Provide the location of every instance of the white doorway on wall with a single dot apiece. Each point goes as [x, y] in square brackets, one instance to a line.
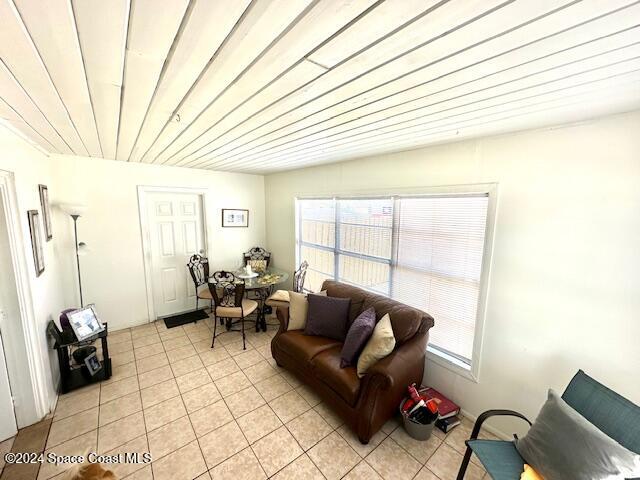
[23, 396]
[173, 228]
[8, 300]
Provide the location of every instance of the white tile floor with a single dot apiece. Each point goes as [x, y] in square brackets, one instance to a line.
[230, 413]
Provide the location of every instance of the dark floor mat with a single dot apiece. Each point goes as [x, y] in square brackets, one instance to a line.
[183, 318]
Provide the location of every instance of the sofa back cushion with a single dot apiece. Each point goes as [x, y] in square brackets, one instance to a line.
[342, 290]
[406, 321]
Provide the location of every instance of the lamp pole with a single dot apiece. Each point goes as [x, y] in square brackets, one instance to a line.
[75, 231]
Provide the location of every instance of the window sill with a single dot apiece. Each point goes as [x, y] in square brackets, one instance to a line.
[452, 364]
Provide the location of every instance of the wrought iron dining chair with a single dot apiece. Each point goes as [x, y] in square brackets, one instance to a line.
[258, 258]
[610, 412]
[230, 303]
[199, 269]
[277, 299]
[299, 276]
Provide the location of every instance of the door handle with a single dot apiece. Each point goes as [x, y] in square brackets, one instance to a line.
[202, 251]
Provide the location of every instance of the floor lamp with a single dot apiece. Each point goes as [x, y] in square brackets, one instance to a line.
[75, 212]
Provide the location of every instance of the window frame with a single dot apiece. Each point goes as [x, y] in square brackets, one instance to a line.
[451, 362]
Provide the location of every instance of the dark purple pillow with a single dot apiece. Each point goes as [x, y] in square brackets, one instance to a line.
[357, 337]
[327, 316]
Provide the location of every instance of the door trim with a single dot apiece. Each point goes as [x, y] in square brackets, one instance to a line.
[145, 232]
[37, 406]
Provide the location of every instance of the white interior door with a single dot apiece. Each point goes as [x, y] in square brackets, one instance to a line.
[176, 226]
[8, 426]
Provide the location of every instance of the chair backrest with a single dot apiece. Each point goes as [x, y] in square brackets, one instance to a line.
[199, 269]
[257, 253]
[299, 276]
[612, 413]
[226, 290]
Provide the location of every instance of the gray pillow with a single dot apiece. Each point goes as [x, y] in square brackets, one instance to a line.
[327, 317]
[563, 445]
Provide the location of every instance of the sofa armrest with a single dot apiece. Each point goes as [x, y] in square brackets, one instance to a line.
[398, 369]
[283, 317]
[385, 384]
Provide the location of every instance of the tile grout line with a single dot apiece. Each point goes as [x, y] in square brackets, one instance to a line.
[204, 459]
[253, 385]
[234, 419]
[232, 416]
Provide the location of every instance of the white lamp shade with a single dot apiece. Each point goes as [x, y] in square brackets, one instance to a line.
[73, 208]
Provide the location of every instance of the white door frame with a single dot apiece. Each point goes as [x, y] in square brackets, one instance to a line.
[145, 232]
[33, 405]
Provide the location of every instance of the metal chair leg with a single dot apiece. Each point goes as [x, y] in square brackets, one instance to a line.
[244, 345]
[215, 324]
[464, 464]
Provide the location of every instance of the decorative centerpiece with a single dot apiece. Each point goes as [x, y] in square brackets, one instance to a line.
[269, 278]
[247, 272]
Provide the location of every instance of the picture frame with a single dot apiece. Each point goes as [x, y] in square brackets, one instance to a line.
[85, 323]
[46, 211]
[92, 363]
[235, 217]
[36, 241]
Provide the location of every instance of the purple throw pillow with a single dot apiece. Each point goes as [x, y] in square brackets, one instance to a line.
[327, 317]
[357, 337]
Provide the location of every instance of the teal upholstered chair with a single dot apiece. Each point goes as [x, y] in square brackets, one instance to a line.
[613, 414]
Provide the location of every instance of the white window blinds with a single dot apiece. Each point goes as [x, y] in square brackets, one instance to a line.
[438, 265]
[425, 251]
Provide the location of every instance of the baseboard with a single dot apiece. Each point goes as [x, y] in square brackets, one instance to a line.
[486, 427]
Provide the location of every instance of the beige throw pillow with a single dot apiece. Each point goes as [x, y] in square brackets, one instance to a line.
[280, 296]
[298, 308]
[381, 344]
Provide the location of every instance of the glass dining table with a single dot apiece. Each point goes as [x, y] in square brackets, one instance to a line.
[260, 286]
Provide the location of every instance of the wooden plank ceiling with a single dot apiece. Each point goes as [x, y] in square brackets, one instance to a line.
[267, 85]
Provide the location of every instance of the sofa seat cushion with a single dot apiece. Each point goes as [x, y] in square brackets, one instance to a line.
[343, 381]
[304, 347]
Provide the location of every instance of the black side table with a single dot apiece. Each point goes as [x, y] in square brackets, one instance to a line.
[76, 376]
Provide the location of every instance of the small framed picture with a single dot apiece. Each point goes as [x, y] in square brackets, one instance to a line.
[46, 211]
[235, 217]
[92, 363]
[36, 241]
[85, 323]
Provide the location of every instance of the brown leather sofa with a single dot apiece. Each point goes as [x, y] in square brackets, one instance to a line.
[366, 403]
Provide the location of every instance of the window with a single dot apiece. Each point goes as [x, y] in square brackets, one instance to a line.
[426, 251]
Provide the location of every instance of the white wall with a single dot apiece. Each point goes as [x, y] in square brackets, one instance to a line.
[31, 168]
[565, 284]
[113, 271]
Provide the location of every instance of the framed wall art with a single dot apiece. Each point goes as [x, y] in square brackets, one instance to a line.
[46, 211]
[36, 241]
[235, 217]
